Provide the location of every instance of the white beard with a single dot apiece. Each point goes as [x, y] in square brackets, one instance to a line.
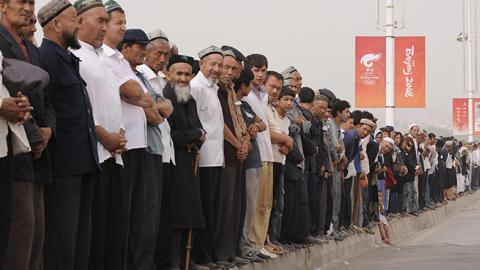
[182, 93]
[214, 81]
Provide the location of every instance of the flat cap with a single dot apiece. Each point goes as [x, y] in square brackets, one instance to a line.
[112, 5]
[178, 58]
[51, 10]
[210, 50]
[286, 73]
[157, 33]
[85, 5]
[135, 36]
[238, 55]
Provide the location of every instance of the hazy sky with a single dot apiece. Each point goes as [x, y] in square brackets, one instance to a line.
[315, 36]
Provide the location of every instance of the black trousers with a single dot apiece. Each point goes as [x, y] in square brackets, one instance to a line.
[163, 246]
[433, 189]
[151, 205]
[422, 186]
[211, 195]
[6, 180]
[346, 203]
[296, 216]
[329, 204]
[314, 203]
[68, 222]
[230, 214]
[106, 217]
[139, 177]
[278, 203]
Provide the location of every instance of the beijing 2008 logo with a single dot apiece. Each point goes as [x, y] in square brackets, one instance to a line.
[369, 76]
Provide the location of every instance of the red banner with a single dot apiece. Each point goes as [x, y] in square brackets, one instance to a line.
[410, 72]
[460, 116]
[370, 72]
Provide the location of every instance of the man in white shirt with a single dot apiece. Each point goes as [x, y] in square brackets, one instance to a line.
[156, 58]
[133, 49]
[107, 113]
[278, 124]
[204, 90]
[136, 106]
[258, 100]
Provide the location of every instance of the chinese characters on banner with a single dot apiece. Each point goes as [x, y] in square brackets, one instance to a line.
[460, 116]
[409, 72]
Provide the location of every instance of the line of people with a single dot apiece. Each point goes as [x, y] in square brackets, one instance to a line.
[119, 153]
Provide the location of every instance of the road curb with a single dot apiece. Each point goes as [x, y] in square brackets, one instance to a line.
[400, 228]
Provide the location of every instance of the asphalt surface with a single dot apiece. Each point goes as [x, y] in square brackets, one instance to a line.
[452, 244]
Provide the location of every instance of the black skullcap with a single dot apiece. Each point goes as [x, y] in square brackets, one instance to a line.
[178, 58]
[306, 95]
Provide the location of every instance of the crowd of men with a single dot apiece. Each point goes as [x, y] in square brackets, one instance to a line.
[129, 155]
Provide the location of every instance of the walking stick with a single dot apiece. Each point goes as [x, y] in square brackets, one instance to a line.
[189, 248]
[189, 241]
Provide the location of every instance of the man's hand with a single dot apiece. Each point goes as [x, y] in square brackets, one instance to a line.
[242, 151]
[252, 130]
[46, 133]
[283, 149]
[164, 107]
[115, 142]
[289, 144]
[204, 136]
[300, 120]
[340, 148]
[16, 109]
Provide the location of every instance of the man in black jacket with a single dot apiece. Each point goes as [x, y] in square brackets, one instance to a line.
[31, 169]
[69, 199]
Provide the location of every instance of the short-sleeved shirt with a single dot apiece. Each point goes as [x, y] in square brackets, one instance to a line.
[133, 117]
[158, 82]
[154, 135]
[103, 93]
[210, 113]
[253, 159]
[279, 124]
[258, 100]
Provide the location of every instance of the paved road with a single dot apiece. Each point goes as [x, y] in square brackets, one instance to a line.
[453, 244]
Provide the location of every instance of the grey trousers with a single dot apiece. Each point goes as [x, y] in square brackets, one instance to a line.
[336, 197]
[247, 241]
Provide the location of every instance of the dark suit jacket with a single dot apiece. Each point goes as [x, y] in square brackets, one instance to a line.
[74, 148]
[25, 168]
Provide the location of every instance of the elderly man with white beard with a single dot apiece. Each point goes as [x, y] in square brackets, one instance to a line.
[188, 136]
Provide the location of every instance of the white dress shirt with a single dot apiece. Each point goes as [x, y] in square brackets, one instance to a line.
[103, 93]
[259, 105]
[278, 124]
[158, 82]
[133, 117]
[210, 114]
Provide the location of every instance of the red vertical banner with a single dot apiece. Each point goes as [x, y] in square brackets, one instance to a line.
[460, 116]
[410, 72]
[476, 116]
[369, 72]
